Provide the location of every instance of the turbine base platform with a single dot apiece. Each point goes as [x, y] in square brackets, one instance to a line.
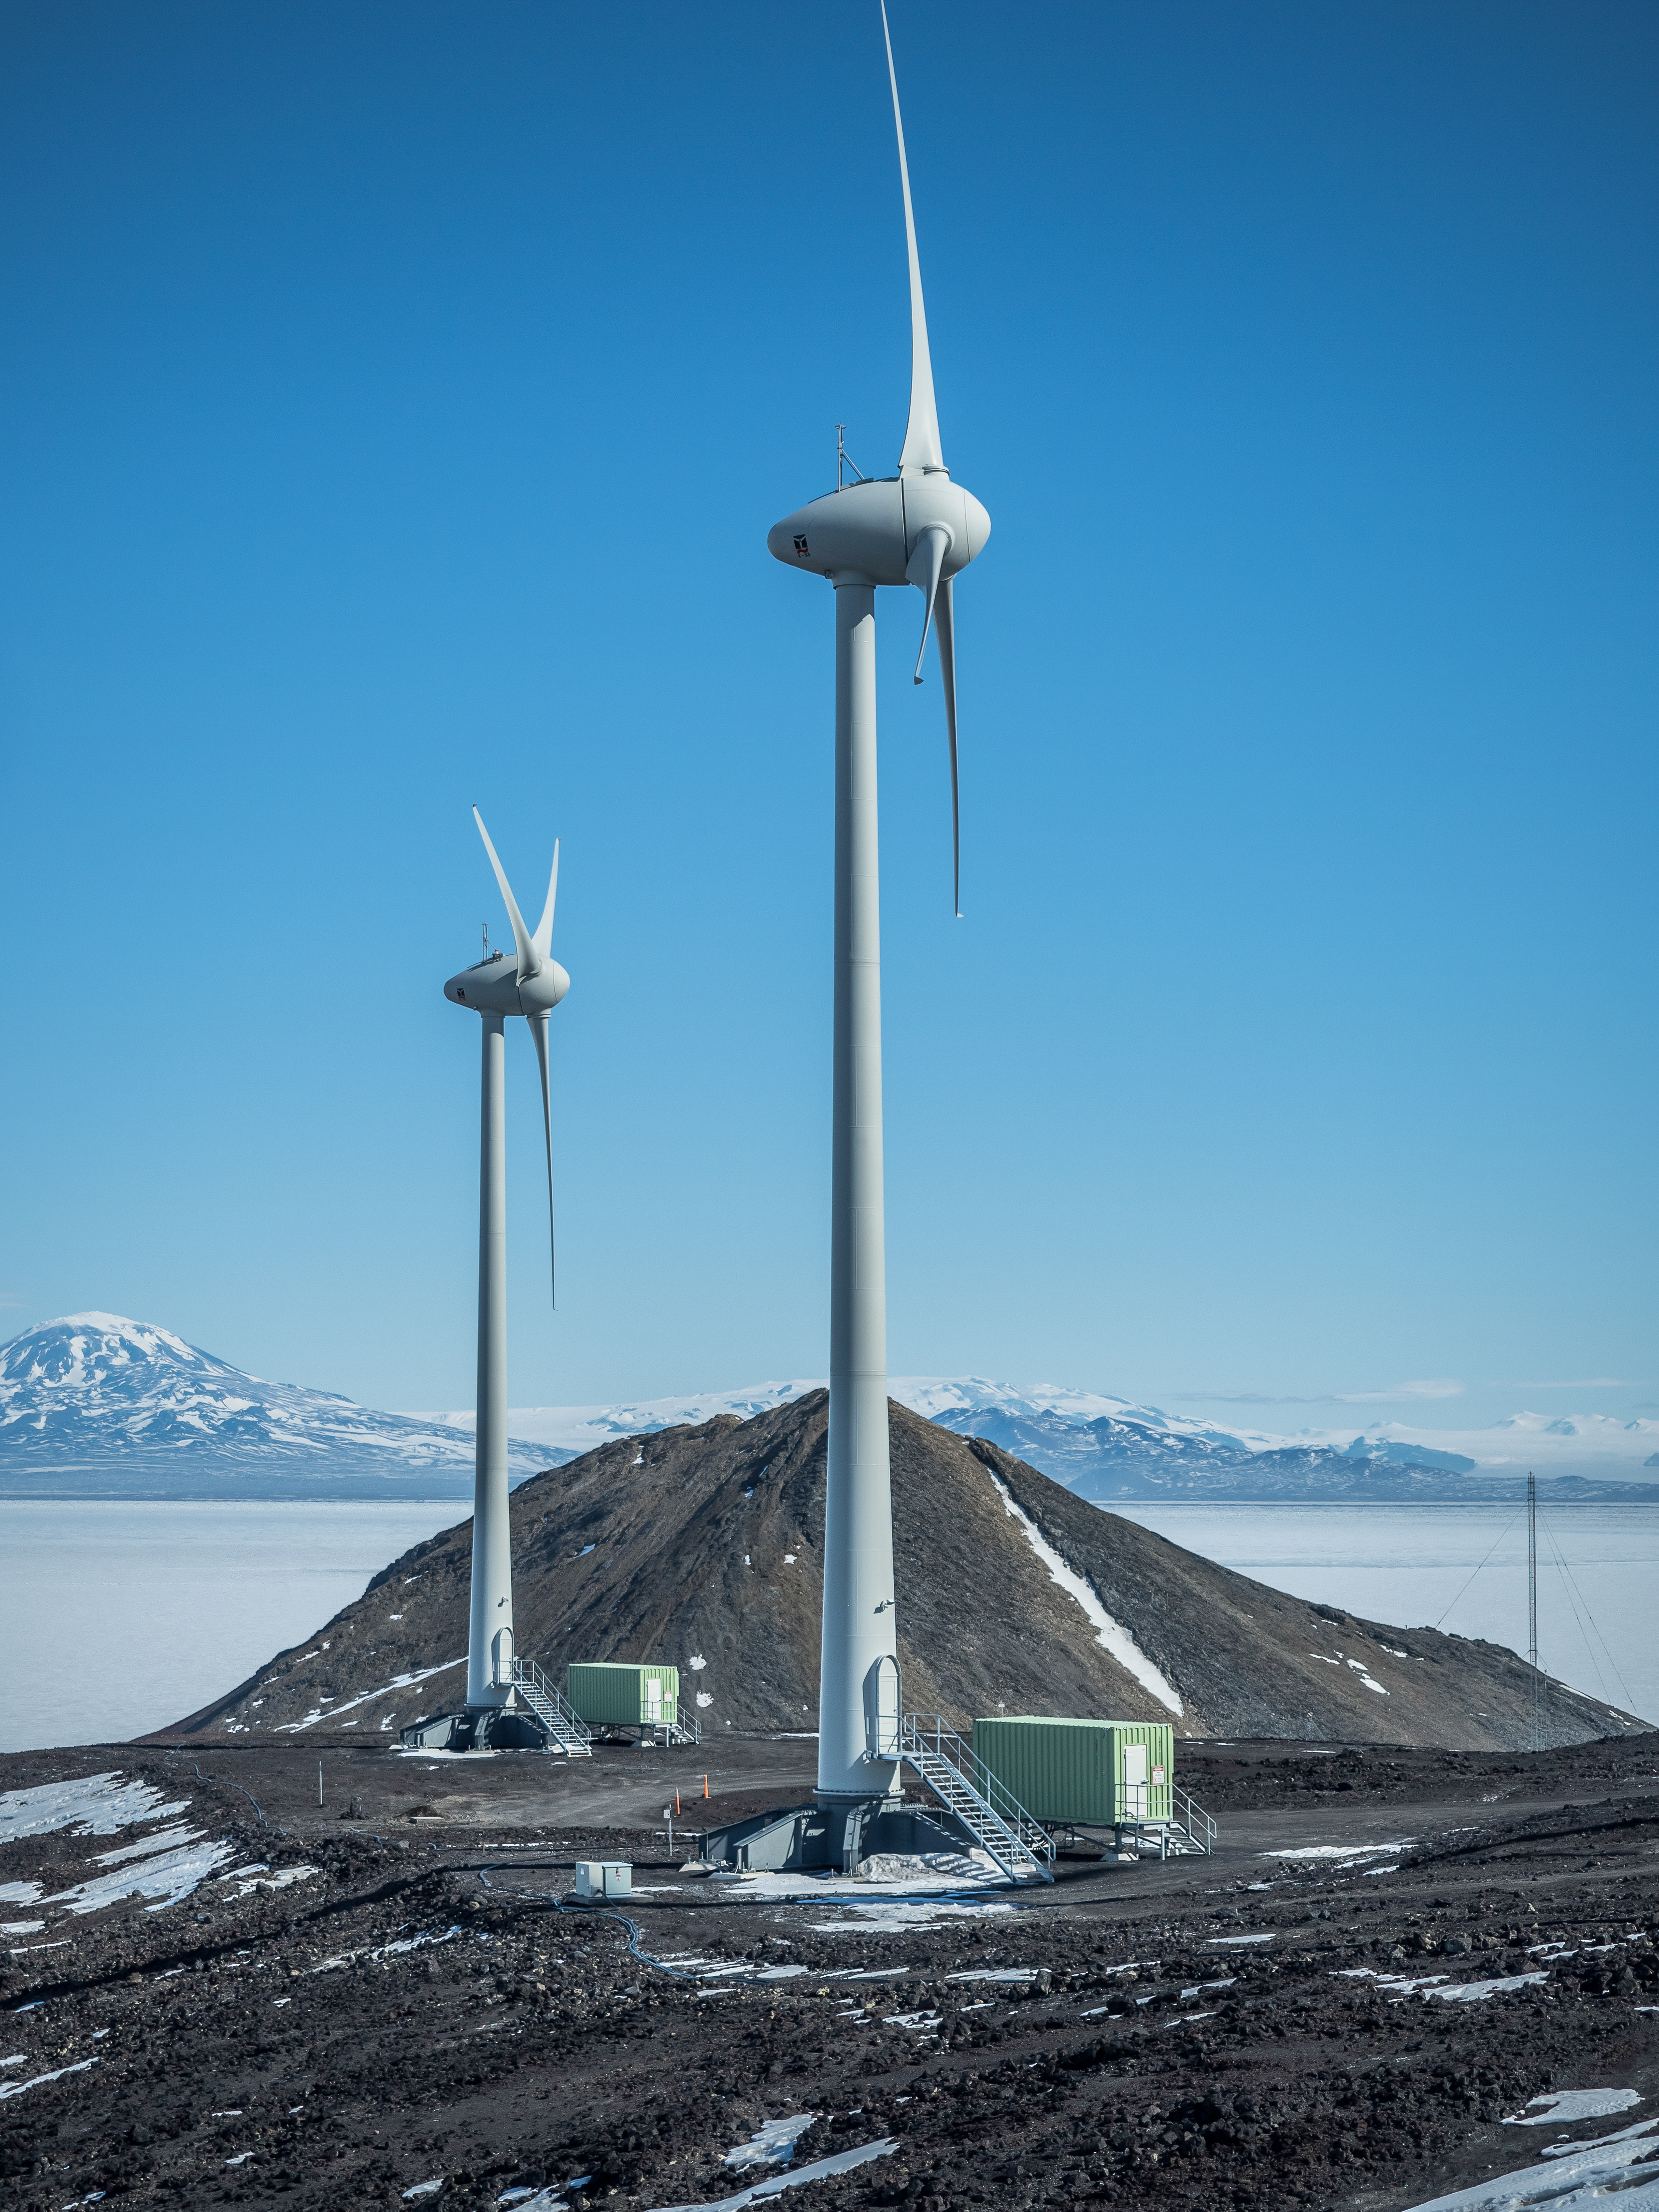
[798, 1839]
[477, 1728]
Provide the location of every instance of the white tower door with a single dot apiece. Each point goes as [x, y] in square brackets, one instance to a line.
[881, 1709]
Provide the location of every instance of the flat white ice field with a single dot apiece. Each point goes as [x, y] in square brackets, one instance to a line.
[173, 1603]
[1404, 1565]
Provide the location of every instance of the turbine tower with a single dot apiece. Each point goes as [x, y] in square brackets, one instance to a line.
[496, 1714]
[917, 528]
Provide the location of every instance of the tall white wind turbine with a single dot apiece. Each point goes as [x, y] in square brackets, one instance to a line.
[918, 528]
[531, 985]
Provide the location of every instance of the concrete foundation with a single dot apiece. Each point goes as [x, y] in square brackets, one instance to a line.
[798, 1839]
[477, 1728]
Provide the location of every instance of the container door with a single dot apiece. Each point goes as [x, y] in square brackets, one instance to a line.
[651, 1689]
[881, 1712]
[1134, 1781]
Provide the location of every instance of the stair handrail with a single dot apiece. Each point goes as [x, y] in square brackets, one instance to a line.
[566, 1722]
[986, 1784]
[997, 1800]
[1192, 1818]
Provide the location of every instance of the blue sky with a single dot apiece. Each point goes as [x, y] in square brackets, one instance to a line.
[399, 398]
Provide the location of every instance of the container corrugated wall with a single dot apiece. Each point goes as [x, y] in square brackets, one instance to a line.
[607, 1693]
[1098, 1773]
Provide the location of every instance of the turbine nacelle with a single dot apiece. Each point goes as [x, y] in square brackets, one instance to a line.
[493, 987]
[875, 530]
[531, 984]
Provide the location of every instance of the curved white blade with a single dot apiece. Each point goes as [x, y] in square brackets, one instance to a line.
[921, 446]
[945, 622]
[530, 960]
[538, 1031]
[543, 940]
[924, 569]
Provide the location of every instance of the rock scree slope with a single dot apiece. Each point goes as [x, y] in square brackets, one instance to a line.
[702, 1546]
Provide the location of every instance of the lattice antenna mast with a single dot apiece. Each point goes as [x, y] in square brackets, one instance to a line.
[1532, 1597]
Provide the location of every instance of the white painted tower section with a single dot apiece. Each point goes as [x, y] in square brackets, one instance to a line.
[488, 1654]
[859, 1622]
[916, 528]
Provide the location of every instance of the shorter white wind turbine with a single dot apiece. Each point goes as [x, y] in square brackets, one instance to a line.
[531, 986]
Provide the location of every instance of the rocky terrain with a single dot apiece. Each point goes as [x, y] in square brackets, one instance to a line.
[701, 1545]
[393, 1997]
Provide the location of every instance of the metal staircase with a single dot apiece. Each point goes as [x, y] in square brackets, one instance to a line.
[565, 1730]
[689, 1730]
[993, 1815]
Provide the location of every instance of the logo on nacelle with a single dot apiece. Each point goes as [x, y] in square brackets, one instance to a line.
[802, 547]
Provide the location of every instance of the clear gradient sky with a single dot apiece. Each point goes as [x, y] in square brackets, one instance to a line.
[397, 398]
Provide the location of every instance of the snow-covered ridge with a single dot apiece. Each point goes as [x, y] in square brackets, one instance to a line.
[957, 1400]
[1025, 1416]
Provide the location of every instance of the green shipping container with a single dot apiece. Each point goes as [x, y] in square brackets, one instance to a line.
[607, 1694]
[1100, 1773]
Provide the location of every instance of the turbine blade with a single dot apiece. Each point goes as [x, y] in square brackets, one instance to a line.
[538, 1031]
[543, 940]
[921, 446]
[944, 623]
[924, 568]
[529, 958]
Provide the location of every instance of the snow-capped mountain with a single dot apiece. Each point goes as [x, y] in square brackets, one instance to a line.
[95, 1403]
[1110, 1449]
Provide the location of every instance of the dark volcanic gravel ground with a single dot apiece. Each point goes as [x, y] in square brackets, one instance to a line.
[418, 2008]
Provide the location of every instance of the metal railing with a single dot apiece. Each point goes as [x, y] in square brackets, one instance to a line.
[567, 1732]
[682, 1728]
[965, 1786]
[1186, 1827]
[1199, 1828]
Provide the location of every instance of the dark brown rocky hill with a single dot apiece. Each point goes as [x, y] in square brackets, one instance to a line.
[703, 1546]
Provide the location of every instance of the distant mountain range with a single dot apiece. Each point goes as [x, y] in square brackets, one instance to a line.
[95, 1405]
[1112, 1451]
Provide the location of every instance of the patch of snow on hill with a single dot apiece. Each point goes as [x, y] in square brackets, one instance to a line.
[1111, 1635]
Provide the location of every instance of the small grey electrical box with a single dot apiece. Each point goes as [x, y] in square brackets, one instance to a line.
[604, 1878]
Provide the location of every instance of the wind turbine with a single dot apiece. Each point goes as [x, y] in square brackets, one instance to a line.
[531, 986]
[918, 528]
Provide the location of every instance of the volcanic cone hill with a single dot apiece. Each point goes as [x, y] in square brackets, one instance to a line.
[704, 1547]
